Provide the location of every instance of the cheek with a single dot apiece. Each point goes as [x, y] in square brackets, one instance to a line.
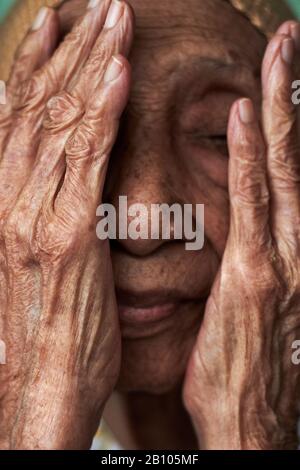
[215, 200]
[204, 187]
[208, 162]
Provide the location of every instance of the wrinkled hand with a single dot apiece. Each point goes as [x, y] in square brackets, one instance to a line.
[242, 389]
[58, 314]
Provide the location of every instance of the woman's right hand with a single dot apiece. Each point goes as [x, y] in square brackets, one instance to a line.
[58, 314]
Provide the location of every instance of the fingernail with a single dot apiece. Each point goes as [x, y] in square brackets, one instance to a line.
[93, 4]
[295, 33]
[287, 50]
[114, 14]
[114, 69]
[246, 111]
[40, 19]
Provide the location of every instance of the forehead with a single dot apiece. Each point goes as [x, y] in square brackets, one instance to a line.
[212, 28]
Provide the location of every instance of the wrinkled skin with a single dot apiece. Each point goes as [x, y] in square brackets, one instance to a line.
[58, 308]
[59, 314]
[243, 354]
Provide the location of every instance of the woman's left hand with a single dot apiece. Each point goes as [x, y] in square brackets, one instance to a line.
[242, 388]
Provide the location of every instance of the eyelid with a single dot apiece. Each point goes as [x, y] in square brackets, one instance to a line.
[209, 114]
[215, 138]
[218, 136]
[213, 135]
[212, 124]
[214, 142]
[206, 135]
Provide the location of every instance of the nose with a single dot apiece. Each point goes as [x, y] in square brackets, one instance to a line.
[139, 171]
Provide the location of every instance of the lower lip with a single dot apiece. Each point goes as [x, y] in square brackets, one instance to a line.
[156, 313]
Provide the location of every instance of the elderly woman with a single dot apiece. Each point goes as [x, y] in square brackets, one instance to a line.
[176, 349]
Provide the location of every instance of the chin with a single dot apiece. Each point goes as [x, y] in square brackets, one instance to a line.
[154, 360]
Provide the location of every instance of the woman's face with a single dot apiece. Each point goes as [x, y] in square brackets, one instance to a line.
[190, 60]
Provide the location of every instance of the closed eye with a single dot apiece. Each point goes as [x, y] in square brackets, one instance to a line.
[212, 142]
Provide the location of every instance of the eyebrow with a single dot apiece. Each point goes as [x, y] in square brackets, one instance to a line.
[245, 73]
[195, 77]
[214, 63]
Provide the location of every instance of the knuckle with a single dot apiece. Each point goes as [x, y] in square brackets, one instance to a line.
[106, 136]
[287, 176]
[16, 233]
[283, 100]
[94, 138]
[80, 145]
[284, 146]
[251, 190]
[249, 150]
[62, 111]
[76, 37]
[284, 134]
[257, 274]
[100, 55]
[12, 226]
[55, 241]
[87, 143]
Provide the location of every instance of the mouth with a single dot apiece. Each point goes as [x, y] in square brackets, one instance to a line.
[143, 315]
[153, 309]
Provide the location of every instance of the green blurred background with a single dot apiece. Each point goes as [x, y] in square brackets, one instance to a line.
[4, 7]
[6, 4]
[295, 5]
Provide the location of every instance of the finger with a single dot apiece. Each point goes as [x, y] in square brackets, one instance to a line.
[33, 52]
[29, 106]
[73, 193]
[67, 60]
[286, 27]
[66, 63]
[63, 115]
[248, 190]
[89, 148]
[281, 134]
[115, 38]
[37, 46]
